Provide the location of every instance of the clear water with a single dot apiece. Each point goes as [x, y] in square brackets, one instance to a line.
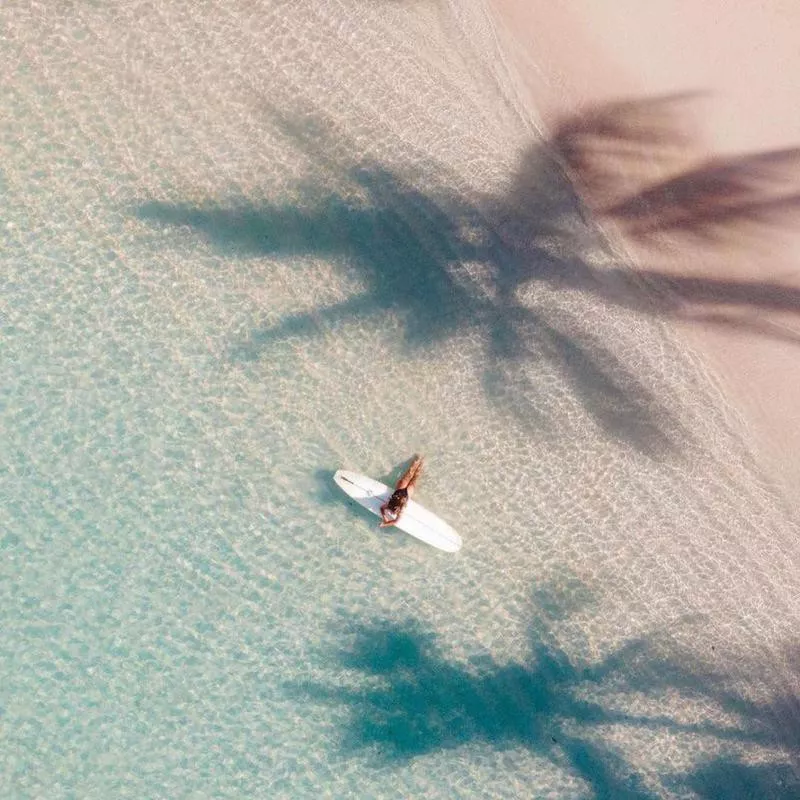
[246, 244]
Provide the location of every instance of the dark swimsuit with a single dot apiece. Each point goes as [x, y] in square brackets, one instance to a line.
[396, 503]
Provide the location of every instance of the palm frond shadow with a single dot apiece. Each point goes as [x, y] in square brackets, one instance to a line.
[407, 699]
[635, 162]
[733, 779]
[447, 263]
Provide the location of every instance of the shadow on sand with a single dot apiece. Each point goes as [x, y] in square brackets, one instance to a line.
[445, 262]
[408, 699]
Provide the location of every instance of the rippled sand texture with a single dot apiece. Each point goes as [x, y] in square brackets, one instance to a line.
[244, 244]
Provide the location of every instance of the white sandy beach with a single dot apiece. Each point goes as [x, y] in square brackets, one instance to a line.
[742, 62]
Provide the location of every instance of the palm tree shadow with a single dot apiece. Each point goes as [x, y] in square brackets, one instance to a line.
[730, 778]
[412, 700]
[636, 167]
[418, 702]
[448, 263]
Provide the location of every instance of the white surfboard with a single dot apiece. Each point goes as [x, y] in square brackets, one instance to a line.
[415, 519]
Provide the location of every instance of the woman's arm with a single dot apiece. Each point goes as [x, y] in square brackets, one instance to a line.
[384, 520]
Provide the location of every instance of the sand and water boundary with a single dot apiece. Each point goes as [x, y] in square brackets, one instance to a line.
[726, 75]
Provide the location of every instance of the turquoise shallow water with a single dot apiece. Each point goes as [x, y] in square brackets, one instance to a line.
[244, 246]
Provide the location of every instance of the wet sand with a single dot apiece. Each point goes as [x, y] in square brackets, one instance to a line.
[736, 68]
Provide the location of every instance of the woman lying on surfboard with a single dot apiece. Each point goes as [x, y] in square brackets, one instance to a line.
[393, 507]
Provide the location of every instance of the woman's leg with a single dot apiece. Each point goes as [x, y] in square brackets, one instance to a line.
[411, 475]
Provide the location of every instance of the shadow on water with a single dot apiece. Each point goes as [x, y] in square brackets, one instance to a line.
[327, 493]
[730, 779]
[407, 699]
[447, 262]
